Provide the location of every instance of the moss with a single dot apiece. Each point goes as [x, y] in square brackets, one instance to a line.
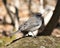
[29, 42]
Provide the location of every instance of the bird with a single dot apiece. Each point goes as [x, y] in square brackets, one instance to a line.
[31, 26]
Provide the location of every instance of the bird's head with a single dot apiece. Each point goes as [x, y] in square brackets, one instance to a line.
[38, 14]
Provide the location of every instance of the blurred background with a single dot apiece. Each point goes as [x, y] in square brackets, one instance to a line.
[23, 8]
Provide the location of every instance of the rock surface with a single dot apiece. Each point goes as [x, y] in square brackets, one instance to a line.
[39, 42]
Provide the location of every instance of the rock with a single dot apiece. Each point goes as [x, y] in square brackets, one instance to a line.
[39, 42]
[56, 32]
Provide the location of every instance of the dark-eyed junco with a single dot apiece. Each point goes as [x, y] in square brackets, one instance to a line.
[32, 25]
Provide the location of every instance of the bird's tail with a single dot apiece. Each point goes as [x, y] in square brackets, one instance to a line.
[11, 34]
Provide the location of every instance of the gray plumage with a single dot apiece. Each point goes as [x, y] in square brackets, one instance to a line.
[32, 24]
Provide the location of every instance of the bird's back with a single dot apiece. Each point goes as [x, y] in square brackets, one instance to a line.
[32, 23]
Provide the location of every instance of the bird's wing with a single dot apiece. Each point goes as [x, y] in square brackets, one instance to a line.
[31, 23]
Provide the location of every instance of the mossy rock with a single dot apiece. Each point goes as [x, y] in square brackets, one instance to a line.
[38, 42]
